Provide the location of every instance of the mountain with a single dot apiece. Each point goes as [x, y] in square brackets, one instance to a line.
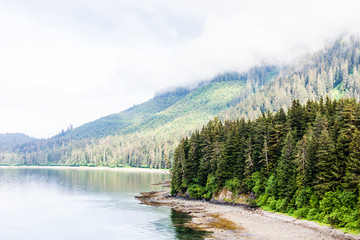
[181, 104]
[147, 134]
[10, 140]
[124, 122]
[333, 72]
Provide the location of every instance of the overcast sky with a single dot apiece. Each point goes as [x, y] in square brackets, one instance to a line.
[68, 62]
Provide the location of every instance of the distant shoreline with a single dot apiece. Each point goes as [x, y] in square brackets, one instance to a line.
[120, 169]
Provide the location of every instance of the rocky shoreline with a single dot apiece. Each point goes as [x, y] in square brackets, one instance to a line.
[241, 222]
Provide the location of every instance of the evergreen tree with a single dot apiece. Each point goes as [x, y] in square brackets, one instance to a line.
[303, 160]
[192, 163]
[296, 118]
[328, 176]
[177, 172]
[205, 162]
[347, 125]
[352, 179]
[286, 174]
[311, 176]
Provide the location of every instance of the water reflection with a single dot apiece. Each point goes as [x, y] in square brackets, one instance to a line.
[182, 232]
[84, 204]
[106, 181]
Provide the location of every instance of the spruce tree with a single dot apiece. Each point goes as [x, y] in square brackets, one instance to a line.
[286, 170]
[205, 162]
[328, 176]
[296, 118]
[352, 178]
[347, 125]
[177, 172]
[192, 163]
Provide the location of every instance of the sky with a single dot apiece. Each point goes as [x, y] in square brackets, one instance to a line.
[68, 62]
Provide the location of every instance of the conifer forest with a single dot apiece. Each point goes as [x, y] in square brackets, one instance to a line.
[304, 161]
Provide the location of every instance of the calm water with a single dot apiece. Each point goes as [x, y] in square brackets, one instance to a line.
[84, 204]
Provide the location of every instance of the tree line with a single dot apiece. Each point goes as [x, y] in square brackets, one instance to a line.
[304, 161]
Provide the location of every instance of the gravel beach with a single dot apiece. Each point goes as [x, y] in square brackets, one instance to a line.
[240, 222]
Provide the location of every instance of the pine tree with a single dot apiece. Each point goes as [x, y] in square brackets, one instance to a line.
[352, 178]
[205, 162]
[221, 168]
[249, 159]
[192, 163]
[328, 176]
[177, 172]
[347, 125]
[231, 152]
[302, 159]
[296, 118]
[286, 174]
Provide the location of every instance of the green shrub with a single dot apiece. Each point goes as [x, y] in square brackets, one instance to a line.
[281, 205]
[254, 183]
[256, 179]
[334, 219]
[196, 191]
[262, 200]
[312, 214]
[329, 202]
[302, 212]
[314, 201]
[303, 197]
[233, 185]
[210, 187]
[347, 199]
[270, 185]
[271, 203]
[354, 224]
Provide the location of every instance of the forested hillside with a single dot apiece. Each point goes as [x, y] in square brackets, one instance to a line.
[10, 140]
[332, 72]
[144, 135]
[304, 161]
[209, 97]
[147, 134]
[125, 122]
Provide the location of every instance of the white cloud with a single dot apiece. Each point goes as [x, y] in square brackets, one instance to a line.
[68, 61]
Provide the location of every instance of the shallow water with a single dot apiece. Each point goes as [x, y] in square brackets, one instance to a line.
[84, 204]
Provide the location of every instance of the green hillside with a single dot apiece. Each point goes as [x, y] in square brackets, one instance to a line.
[332, 72]
[147, 134]
[196, 106]
[144, 135]
[125, 121]
[10, 140]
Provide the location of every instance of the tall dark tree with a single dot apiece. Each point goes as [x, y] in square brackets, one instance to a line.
[328, 177]
[177, 173]
[286, 170]
[192, 162]
[352, 179]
